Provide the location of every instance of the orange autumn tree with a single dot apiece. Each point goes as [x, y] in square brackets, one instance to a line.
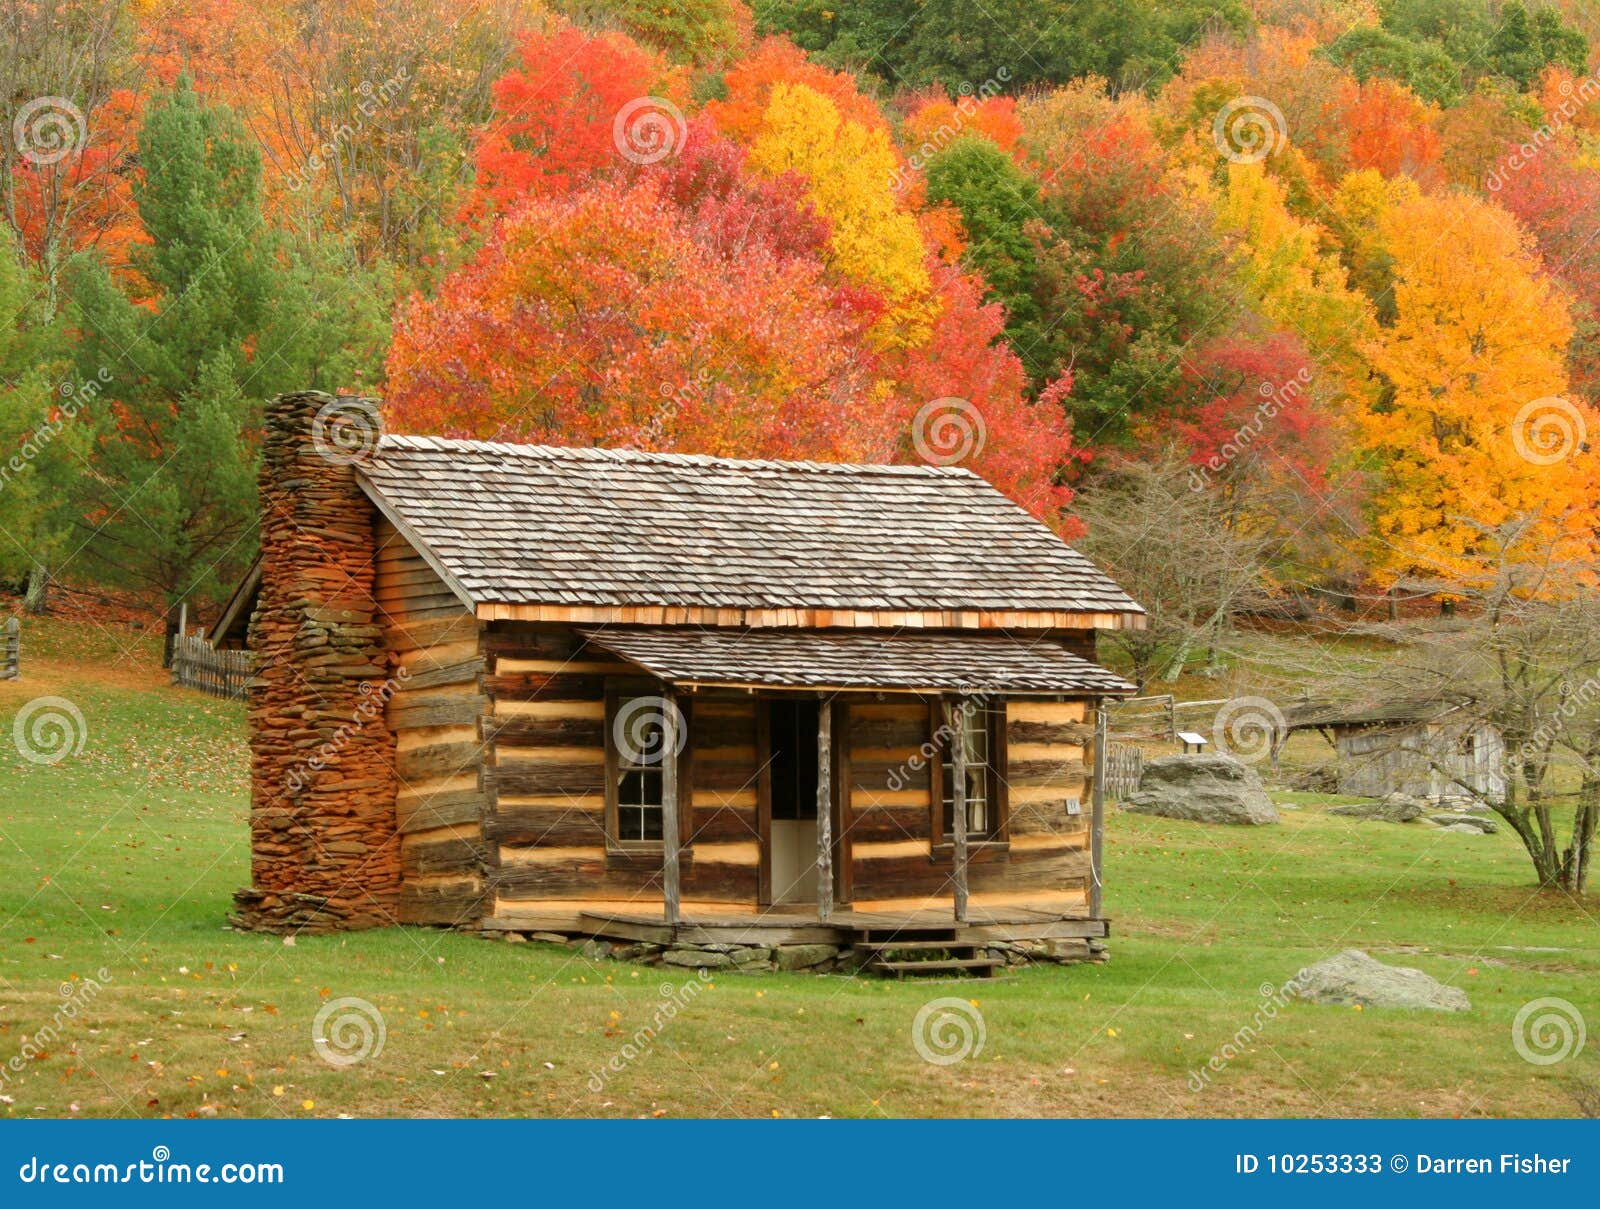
[934, 121]
[567, 110]
[694, 302]
[614, 317]
[1478, 433]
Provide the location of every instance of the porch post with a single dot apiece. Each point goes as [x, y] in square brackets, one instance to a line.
[825, 808]
[671, 719]
[1097, 808]
[955, 717]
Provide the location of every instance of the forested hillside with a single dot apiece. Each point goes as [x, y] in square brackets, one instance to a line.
[1313, 282]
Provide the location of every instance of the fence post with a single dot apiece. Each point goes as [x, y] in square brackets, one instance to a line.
[11, 650]
[1097, 809]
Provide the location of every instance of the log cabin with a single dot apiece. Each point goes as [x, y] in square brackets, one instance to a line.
[667, 699]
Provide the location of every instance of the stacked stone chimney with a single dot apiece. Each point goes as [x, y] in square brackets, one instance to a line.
[325, 853]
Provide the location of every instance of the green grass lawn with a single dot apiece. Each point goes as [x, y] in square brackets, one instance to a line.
[122, 858]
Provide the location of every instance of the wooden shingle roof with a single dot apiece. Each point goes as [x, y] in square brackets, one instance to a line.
[966, 663]
[539, 525]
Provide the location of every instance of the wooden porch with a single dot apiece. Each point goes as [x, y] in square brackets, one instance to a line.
[800, 924]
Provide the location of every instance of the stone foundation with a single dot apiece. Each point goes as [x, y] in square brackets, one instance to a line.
[796, 958]
[325, 853]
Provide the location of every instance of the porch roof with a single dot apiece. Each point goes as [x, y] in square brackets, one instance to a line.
[858, 659]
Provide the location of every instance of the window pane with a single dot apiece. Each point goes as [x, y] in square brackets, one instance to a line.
[974, 740]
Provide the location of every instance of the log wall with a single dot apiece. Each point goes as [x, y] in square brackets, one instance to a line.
[1045, 861]
[436, 712]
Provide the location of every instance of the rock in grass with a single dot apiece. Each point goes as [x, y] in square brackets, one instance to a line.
[1468, 822]
[1209, 788]
[1395, 808]
[1353, 977]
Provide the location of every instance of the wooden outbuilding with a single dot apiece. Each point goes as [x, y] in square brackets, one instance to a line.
[664, 697]
[1434, 748]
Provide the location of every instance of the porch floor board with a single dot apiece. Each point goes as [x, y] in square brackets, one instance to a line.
[800, 924]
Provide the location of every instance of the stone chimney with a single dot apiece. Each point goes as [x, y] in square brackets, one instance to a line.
[324, 849]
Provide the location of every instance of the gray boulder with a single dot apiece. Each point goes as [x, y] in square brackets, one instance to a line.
[1208, 788]
[1395, 808]
[1353, 977]
[1467, 822]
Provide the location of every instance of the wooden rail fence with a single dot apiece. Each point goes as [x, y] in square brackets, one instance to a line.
[11, 650]
[1161, 716]
[197, 664]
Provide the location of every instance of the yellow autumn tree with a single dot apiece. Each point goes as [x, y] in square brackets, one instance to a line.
[1477, 435]
[1292, 278]
[850, 171]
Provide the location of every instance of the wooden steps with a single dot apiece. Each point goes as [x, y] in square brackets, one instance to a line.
[898, 952]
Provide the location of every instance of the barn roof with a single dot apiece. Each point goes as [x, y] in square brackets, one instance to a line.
[1394, 711]
[540, 525]
[968, 663]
